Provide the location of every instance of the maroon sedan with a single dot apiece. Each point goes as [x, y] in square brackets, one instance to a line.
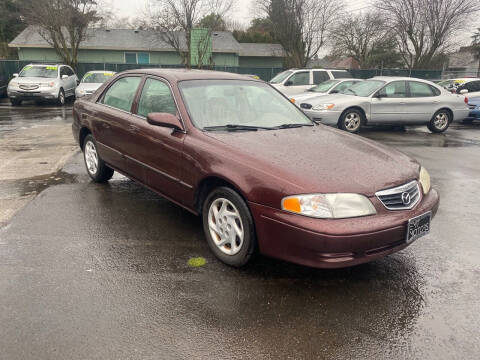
[261, 174]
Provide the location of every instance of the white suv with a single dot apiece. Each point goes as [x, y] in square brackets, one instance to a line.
[42, 82]
[296, 81]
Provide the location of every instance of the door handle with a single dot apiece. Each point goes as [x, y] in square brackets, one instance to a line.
[402, 103]
[105, 125]
[133, 128]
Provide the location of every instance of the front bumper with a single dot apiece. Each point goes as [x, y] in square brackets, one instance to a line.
[324, 117]
[49, 94]
[326, 243]
[474, 114]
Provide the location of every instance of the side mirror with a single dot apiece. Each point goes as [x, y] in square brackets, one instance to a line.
[380, 95]
[15, 75]
[334, 92]
[288, 83]
[463, 91]
[64, 76]
[164, 120]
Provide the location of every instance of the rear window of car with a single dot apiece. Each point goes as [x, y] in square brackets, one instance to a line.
[341, 74]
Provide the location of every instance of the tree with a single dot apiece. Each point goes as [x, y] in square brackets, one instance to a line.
[177, 18]
[260, 31]
[213, 21]
[301, 26]
[423, 29]
[62, 23]
[476, 46]
[11, 24]
[365, 38]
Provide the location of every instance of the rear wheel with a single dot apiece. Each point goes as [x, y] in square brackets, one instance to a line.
[15, 102]
[351, 120]
[96, 167]
[440, 121]
[229, 227]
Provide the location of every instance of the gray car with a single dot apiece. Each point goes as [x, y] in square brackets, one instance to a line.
[333, 86]
[91, 81]
[42, 82]
[388, 100]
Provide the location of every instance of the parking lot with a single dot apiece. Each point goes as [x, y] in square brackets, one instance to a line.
[91, 271]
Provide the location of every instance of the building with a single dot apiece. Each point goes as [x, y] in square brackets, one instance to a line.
[463, 63]
[122, 46]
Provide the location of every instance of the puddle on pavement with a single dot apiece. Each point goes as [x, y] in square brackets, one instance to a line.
[34, 185]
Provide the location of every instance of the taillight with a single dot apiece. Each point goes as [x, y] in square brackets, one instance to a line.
[466, 100]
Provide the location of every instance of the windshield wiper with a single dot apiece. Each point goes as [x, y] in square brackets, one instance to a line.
[234, 127]
[290, 126]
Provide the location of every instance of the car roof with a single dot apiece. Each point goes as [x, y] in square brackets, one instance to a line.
[312, 69]
[401, 78]
[176, 75]
[100, 72]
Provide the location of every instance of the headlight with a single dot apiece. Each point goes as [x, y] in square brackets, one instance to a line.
[323, 107]
[329, 206]
[424, 180]
[49, 84]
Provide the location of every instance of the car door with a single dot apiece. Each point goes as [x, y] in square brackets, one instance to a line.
[388, 104]
[320, 76]
[422, 102]
[111, 121]
[297, 83]
[158, 150]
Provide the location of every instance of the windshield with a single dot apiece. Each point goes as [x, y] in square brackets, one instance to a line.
[324, 86]
[280, 77]
[96, 78]
[39, 71]
[364, 88]
[222, 103]
[341, 74]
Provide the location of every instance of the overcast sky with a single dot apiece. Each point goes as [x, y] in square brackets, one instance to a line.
[243, 12]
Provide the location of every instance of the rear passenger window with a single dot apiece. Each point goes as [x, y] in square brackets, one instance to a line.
[156, 97]
[300, 78]
[418, 89]
[122, 93]
[319, 77]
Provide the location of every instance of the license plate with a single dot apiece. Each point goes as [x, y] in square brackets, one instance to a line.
[418, 227]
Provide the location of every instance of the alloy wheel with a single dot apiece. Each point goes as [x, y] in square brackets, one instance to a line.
[91, 157]
[441, 121]
[352, 121]
[225, 225]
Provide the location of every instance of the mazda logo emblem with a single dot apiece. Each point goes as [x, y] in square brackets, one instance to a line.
[406, 198]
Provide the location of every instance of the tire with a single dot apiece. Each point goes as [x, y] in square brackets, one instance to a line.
[440, 121]
[96, 167]
[222, 227]
[15, 102]
[351, 120]
[61, 98]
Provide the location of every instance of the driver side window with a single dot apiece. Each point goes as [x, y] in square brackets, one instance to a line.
[396, 89]
[156, 97]
[300, 78]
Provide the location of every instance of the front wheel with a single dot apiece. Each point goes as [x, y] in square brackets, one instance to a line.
[351, 120]
[61, 97]
[96, 167]
[440, 121]
[229, 227]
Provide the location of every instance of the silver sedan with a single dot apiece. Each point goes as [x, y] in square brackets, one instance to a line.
[388, 100]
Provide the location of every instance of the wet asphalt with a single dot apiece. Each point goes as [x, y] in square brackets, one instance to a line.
[91, 271]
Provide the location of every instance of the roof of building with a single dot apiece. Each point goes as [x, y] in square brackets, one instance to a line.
[147, 40]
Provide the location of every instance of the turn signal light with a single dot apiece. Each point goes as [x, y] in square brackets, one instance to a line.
[292, 204]
[292, 100]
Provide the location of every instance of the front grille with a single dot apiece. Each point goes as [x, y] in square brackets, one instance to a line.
[402, 197]
[28, 87]
[305, 106]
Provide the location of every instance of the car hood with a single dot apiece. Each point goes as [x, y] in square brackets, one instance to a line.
[88, 86]
[320, 159]
[33, 80]
[336, 99]
[307, 96]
